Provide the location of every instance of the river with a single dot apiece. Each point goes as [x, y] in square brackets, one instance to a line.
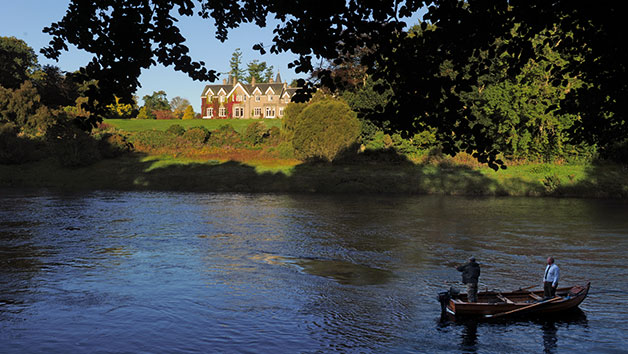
[129, 272]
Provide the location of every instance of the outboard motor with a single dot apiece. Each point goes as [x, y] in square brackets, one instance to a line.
[445, 296]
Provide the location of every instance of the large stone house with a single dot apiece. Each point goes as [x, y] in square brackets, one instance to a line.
[237, 100]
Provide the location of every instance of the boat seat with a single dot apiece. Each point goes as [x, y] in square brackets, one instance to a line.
[535, 296]
[575, 290]
[503, 298]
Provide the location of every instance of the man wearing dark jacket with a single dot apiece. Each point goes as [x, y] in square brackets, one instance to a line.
[470, 276]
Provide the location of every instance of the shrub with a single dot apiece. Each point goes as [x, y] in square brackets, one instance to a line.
[274, 136]
[164, 114]
[144, 113]
[617, 152]
[13, 149]
[100, 126]
[290, 119]
[151, 139]
[552, 183]
[189, 113]
[71, 146]
[225, 135]
[283, 150]
[324, 128]
[176, 129]
[196, 136]
[113, 145]
[255, 133]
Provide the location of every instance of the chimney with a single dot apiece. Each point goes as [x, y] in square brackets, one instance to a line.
[270, 80]
[224, 81]
[285, 85]
[253, 80]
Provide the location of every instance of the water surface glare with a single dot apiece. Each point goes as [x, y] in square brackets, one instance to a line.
[176, 272]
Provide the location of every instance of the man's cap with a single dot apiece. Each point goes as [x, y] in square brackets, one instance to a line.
[472, 259]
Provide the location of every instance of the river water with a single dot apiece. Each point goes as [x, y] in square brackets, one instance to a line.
[175, 272]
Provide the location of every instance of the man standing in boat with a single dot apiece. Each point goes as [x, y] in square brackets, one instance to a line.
[550, 279]
[470, 276]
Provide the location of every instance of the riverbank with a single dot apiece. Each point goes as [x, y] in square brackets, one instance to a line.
[137, 171]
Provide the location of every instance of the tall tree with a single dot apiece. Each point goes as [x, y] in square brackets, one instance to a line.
[57, 88]
[259, 70]
[235, 64]
[17, 62]
[157, 101]
[178, 106]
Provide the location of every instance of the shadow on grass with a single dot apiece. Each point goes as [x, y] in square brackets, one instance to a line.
[603, 180]
[371, 172]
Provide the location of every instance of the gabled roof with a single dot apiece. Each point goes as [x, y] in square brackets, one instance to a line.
[291, 91]
[216, 88]
[249, 90]
[240, 86]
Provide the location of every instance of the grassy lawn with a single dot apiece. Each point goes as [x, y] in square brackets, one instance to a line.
[133, 125]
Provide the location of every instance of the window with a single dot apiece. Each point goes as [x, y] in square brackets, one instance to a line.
[270, 98]
[258, 98]
[270, 112]
[287, 100]
[222, 98]
[238, 112]
[222, 112]
[257, 112]
[281, 111]
[210, 112]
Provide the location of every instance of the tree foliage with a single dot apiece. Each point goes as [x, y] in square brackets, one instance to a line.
[121, 110]
[463, 34]
[178, 106]
[17, 62]
[157, 101]
[324, 128]
[235, 64]
[189, 113]
[261, 71]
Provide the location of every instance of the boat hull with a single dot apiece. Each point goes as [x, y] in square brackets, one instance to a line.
[491, 303]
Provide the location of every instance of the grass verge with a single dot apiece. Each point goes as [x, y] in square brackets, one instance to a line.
[139, 171]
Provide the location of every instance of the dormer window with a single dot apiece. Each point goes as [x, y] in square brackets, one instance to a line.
[258, 98]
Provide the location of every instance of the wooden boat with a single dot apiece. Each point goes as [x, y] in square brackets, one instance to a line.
[515, 303]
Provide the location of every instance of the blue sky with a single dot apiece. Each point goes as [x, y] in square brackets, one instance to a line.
[25, 19]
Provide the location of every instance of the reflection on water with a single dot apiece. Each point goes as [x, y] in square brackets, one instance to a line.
[549, 337]
[177, 272]
[469, 336]
[341, 271]
[548, 326]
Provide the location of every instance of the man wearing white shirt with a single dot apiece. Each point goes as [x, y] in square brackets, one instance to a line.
[550, 279]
